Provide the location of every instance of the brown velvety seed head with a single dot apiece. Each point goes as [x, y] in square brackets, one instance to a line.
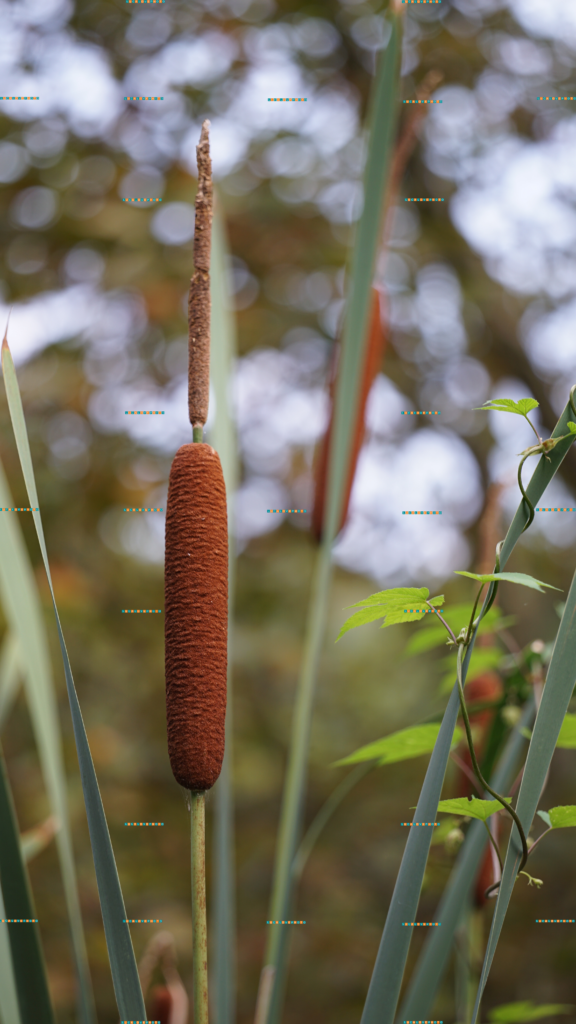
[196, 615]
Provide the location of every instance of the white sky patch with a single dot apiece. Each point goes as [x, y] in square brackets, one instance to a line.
[554, 19]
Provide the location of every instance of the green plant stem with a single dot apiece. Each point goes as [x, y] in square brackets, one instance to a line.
[472, 623]
[524, 495]
[533, 427]
[476, 766]
[535, 844]
[197, 435]
[443, 621]
[199, 934]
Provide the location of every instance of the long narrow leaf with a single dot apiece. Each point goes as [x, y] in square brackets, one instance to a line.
[429, 971]
[559, 688]
[23, 611]
[382, 123]
[9, 673]
[9, 1008]
[122, 962]
[223, 438]
[384, 990]
[27, 956]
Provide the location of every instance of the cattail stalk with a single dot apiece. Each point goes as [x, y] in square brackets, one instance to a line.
[199, 931]
[196, 589]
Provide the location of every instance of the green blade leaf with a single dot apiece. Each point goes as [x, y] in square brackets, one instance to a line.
[9, 1008]
[382, 118]
[122, 961]
[508, 577]
[223, 439]
[562, 817]
[555, 699]
[399, 746]
[402, 604]
[519, 1013]
[27, 956]
[25, 617]
[545, 817]
[435, 956]
[567, 735]
[508, 405]
[480, 809]
[9, 671]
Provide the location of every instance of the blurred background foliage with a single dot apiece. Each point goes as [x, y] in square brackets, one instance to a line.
[480, 301]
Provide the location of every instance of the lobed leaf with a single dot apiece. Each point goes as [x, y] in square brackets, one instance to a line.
[401, 604]
[562, 817]
[471, 807]
[399, 746]
[508, 577]
[567, 736]
[508, 405]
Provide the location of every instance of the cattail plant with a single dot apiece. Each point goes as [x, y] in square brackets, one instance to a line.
[196, 588]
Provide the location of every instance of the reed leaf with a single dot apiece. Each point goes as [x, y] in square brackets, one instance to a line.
[123, 964]
[382, 122]
[9, 1008]
[9, 673]
[223, 439]
[27, 956]
[429, 971]
[23, 611]
[386, 981]
[556, 696]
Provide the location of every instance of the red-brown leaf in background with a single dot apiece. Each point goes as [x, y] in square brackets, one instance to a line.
[160, 1005]
[373, 363]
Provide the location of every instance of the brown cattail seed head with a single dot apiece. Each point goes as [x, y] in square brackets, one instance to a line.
[196, 615]
[199, 296]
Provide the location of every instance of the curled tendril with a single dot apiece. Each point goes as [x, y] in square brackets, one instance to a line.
[476, 766]
[524, 495]
[535, 451]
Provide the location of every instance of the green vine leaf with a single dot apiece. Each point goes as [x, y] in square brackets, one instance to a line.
[567, 734]
[571, 427]
[399, 746]
[508, 577]
[481, 809]
[392, 606]
[563, 817]
[519, 1013]
[508, 405]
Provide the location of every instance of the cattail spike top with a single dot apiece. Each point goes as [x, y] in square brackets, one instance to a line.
[199, 296]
